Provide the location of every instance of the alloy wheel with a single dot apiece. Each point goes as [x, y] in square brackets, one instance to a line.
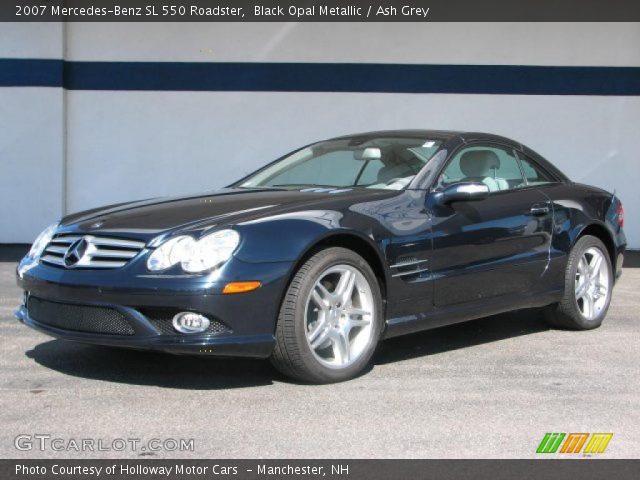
[592, 283]
[339, 316]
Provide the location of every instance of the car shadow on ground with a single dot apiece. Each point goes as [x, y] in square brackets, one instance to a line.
[151, 368]
[206, 373]
[462, 335]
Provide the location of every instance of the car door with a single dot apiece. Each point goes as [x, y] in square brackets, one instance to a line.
[492, 247]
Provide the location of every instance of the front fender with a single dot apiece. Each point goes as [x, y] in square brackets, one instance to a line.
[287, 237]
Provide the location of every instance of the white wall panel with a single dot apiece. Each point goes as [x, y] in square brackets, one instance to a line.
[31, 40]
[31, 168]
[128, 145]
[31, 137]
[506, 43]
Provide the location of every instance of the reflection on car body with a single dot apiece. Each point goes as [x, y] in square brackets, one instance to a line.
[316, 257]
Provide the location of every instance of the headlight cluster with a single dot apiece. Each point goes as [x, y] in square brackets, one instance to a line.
[41, 241]
[195, 256]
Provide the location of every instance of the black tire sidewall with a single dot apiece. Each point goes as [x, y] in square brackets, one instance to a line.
[322, 261]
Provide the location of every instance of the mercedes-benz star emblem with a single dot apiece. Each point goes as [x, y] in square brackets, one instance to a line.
[75, 252]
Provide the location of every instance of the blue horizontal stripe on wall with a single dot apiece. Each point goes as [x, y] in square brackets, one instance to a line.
[30, 73]
[321, 77]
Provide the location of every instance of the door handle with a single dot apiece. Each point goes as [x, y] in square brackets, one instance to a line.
[539, 210]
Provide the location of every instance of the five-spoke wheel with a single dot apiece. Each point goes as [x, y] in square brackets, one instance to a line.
[592, 283]
[339, 314]
[588, 284]
[330, 320]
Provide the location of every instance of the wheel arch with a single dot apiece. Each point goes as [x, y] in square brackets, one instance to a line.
[351, 241]
[360, 246]
[602, 233]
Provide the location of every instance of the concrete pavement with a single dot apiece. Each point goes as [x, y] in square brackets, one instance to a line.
[484, 389]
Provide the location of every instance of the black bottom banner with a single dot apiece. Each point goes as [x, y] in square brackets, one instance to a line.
[583, 469]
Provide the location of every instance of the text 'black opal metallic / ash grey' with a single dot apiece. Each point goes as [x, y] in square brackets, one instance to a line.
[316, 257]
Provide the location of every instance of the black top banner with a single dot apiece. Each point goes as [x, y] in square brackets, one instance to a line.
[319, 10]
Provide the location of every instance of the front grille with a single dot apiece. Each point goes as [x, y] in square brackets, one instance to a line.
[95, 252]
[78, 318]
[161, 319]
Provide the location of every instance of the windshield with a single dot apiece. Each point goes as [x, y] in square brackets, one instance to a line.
[381, 162]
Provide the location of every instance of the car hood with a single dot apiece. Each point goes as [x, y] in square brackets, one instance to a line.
[221, 207]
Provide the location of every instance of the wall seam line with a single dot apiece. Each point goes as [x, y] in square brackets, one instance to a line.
[65, 127]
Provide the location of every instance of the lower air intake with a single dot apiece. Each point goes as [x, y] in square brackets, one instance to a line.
[78, 318]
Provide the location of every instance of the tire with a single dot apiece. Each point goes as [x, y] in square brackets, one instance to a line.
[343, 328]
[572, 311]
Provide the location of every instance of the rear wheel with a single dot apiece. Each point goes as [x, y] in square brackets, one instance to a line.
[330, 320]
[588, 285]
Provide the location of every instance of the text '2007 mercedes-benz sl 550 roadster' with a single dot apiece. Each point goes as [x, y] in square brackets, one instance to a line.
[314, 259]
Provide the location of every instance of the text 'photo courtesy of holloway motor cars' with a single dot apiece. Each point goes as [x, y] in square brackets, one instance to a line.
[314, 259]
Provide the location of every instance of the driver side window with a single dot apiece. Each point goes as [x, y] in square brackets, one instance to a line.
[496, 167]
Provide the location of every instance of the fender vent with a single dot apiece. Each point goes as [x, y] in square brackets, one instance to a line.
[409, 268]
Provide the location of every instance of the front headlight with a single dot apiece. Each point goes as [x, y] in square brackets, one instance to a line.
[42, 241]
[170, 252]
[195, 256]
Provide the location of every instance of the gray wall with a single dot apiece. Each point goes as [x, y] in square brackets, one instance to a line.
[31, 138]
[62, 152]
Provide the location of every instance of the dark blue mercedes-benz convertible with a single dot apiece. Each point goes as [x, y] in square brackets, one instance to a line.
[316, 257]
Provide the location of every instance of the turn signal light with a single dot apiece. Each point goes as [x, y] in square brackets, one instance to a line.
[241, 287]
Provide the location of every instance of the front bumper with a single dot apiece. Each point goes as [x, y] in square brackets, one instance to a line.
[257, 346]
[248, 318]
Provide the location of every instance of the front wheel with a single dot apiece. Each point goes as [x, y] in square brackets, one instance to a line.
[330, 319]
[588, 286]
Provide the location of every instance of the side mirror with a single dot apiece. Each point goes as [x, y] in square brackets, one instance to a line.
[462, 192]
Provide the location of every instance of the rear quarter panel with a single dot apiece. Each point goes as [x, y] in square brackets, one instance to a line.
[577, 207]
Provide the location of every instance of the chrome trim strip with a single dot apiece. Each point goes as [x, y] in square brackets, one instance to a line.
[116, 242]
[102, 264]
[114, 253]
[406, 264]
[411, 272]
[52, 259]
[54, 249]
[106, 241]
[65, 240]
[92, 264]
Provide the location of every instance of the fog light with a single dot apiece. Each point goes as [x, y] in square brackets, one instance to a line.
[189, 322]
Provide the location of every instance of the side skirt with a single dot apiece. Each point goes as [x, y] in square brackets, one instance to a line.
[450, 315]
